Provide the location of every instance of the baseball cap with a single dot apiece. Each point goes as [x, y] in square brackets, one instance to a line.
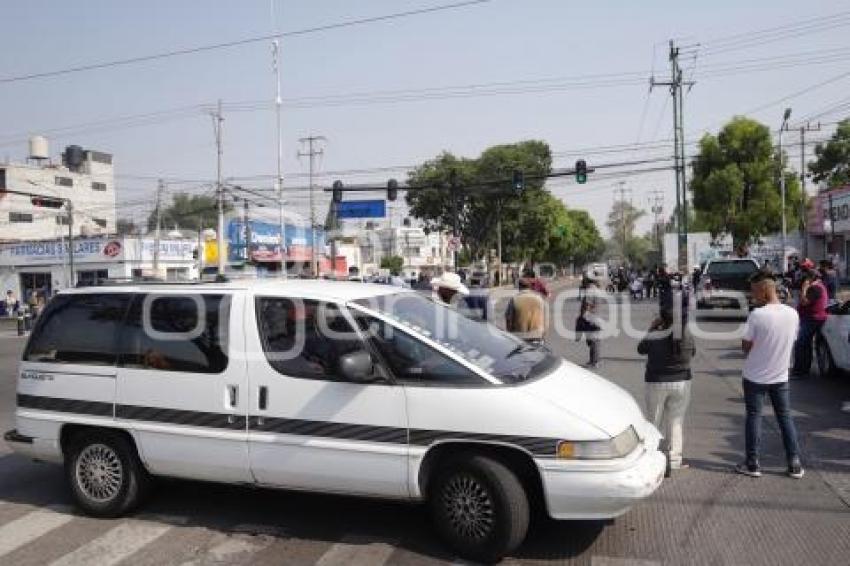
[807, 264]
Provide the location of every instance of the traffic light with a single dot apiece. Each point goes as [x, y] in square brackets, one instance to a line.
[392, 189]
[518, 181]
[45, 202]
[337, 191]
[581, 172]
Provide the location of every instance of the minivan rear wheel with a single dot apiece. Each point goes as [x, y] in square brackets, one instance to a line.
[107, 478]
[479, 507]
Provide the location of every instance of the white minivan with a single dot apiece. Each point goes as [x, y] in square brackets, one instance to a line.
[326, 386]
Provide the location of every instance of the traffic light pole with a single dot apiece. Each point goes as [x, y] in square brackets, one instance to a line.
[71, 278]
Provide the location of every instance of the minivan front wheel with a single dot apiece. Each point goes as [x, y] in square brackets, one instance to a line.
[479, 507]
[105, 474]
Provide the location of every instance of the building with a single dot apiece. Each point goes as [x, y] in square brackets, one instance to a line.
[828, 227]
[85, 177]
[43, 265]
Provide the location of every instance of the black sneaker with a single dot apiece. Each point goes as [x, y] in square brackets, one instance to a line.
[752, 470]
[795, 470]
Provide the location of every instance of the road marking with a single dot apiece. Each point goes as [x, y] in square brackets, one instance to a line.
[115, 545]
[611, 561]
[31, 526]
[231, 549]
[352, 553]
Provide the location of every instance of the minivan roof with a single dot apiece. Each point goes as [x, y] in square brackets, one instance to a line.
[319, 289]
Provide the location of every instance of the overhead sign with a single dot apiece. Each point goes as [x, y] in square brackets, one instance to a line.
[361, 209]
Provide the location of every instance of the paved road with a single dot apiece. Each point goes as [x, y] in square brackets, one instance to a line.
[704, 515]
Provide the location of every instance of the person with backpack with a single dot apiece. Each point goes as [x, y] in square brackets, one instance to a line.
[587, 324]
[669, 349]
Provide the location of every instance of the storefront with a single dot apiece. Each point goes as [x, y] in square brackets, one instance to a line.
[43, 265]
[829, 227]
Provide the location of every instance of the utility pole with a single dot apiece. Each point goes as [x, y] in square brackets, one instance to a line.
[157, 233]
[200, 246]
[312, 152]
[676, 83]
[278, 101]
[657, 206]
[621, 192]
[217, 122]
[783, 260]
[72, 280]
[454, 188]
[803, 196]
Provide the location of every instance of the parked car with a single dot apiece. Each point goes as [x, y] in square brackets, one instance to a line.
[479, 278]
[832, 347]
[333, 387]
[725, 288]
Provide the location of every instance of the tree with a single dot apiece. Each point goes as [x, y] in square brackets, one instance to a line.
[187, 211]
[394, 263]
[833, 158]
[483, 186]
[126, 227]
[735, 183]
[621, 223]
[575, 238]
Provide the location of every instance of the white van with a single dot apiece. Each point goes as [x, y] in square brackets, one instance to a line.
[326, 386]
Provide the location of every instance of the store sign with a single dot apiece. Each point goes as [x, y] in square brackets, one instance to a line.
[52, 251]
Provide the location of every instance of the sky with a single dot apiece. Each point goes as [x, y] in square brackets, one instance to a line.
[154, 116]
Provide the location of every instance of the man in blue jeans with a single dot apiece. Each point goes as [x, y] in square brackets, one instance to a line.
[768, 340]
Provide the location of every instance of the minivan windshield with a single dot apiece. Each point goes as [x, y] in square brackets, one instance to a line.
[501, 355]
[730, 267]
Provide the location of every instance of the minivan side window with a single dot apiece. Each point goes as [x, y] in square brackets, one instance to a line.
[411, 360]
[184, 333]
[303, 338]
[79, 329]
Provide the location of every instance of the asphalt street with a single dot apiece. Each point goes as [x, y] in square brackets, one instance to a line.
[702, 515]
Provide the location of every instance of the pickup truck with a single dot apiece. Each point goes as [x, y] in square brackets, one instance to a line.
[725, 288]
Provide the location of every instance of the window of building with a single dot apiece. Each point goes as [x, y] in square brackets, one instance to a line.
[305, 338]
[64, 181]
[411, 252]
[136, 273]
[98, 186]
[100, 157]
[186, 333]
[96, 324]
[20, 217]
[100, 222]
[2, 179]
[62, 219]
[410, 359]
[91, 277]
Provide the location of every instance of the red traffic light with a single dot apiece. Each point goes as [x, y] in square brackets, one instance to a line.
[45, 202]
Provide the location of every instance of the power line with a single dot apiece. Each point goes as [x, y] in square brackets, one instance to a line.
[238, 42]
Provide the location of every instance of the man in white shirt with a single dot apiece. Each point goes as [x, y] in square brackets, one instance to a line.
[768, 341]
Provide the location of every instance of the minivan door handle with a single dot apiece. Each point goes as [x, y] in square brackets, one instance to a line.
[263, 398]
[232, 395]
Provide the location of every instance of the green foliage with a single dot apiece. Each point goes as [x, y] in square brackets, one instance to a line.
[526, 218]
[833, 158]
[394, 263]
[623, 243]
[735, 183]
[186, 212]
[575, 238]
[125, 227]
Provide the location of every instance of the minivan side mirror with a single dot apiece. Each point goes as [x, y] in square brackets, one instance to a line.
[357, 367]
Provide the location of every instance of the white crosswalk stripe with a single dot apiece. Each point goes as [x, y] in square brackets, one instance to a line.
[115, 545]
[232, 548]
[31, 526]
[350, 552]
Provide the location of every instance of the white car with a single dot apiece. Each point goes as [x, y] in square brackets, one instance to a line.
[325, 386]
[832, 347]
[724, 288]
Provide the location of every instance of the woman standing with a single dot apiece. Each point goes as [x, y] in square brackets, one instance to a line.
[668, 381]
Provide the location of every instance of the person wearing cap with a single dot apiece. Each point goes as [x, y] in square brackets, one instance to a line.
[669, 350]
[812, 311]
[447, 286]
[767, 343]
[525, 316]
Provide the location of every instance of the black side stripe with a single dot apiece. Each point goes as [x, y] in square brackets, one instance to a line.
[326, 429]
[538, 446]
[96, 408]
[180, 417]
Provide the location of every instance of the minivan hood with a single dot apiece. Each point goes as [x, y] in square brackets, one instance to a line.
[589, 397]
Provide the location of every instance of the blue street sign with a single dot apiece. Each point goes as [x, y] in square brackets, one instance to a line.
[361, 209]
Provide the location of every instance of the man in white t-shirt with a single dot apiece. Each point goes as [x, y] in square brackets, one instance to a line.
[768, 341]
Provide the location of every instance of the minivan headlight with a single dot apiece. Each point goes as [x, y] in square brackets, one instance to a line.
[617, 447]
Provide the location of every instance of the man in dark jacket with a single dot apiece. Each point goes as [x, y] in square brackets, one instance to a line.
[669, 349]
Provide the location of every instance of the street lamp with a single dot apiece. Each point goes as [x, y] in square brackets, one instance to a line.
[784, 125]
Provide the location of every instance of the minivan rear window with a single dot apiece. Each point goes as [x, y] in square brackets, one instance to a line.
[79, 329]
[739, 268]
[185, 333]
